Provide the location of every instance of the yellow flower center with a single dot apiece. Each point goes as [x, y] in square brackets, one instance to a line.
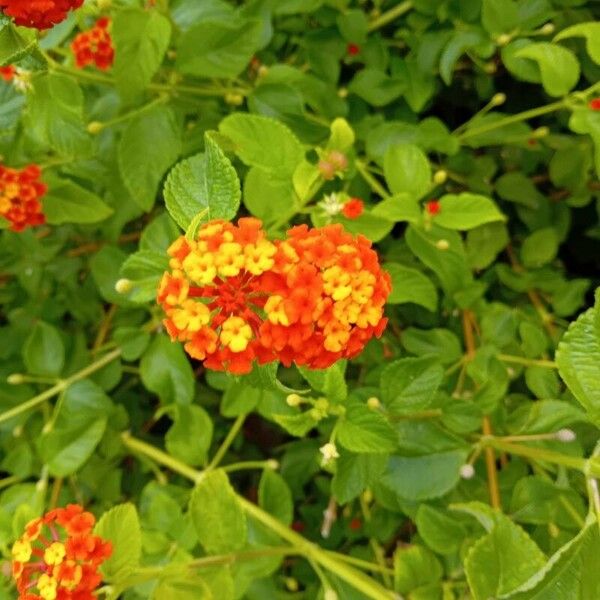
[236, 334]
[54, 554]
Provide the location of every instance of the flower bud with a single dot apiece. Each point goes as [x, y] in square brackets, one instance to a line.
[95, 127]
[234, 99]
[373, 403]
[294, 400]
[17, 431]
[442, 244]
[263, 71]
[322, 404]
[123, 286]
[273, 464]
[291, 584]
[467, 471]
[566, 435]
[547, 29]
[15, 379]
[326, 169]
[342, 92]
[540, 132]
[338, 160]
[440, 177]
[503, 39]
[498, 99]
[329, 452]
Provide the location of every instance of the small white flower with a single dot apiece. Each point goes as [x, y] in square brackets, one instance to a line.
[329, 452]
[331, 204]
[467, 471]
[566, 435]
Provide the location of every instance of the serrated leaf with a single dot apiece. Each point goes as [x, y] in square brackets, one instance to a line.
[466, 211]
[190, 436]
[121, 526]
[362, 429]
[275, 497]
[411, 285]
[44, 351]
[206, 183]
[218, 518]
[407, 170]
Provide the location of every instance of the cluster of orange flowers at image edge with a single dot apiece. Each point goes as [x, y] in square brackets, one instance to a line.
[39, 14]
[57, 558]
[94, 46]
[20, 194]
[234, 297]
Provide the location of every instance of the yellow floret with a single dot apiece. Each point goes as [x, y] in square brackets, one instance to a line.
[47, 586]
[336, 283]
[236, 334]
[275, 311]
[192, 316]
[229, 259]
[54, 554]
[369, 315]
[200, 267]
[259, 257]
[21, 551]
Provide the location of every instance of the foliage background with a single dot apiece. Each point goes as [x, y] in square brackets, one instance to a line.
[484, 104]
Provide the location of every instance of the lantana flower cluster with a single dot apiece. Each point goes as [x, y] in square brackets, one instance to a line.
[94, 47]
[39, 14]
[20, 193]
[58, 556]
[234, 297]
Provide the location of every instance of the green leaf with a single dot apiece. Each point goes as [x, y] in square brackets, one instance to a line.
[539, 248]
[415, 567]
[411, 285]
[329, 381]
[362, 429]
[275, 497]
[43, 351]
[456, 47]
[502, 559]
[410, 384]
[263, 142]
[67, 202]
[268, 196]
[570, 572]
[499, 16]
[578, 359]
[132, 341]
[165, 370]
[484, 243]
[441, 343]
[14, 44]
[399, 207]
[354, 473]
[559, 67]
[121, 526]
[441, 532]
[407, 170]
[298, 424]
[79, 425]
[182, 587]
[587, 121]
[376, 87]
[141, 38]
[218, 47]
[149, 145]
[190, 436]
[206, 181]
[465, 211]
[144, 269]
[218, 518]
[424, 477]
[55, 114]
[590, 31]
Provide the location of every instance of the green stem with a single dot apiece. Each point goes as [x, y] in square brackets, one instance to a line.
[528, 362]
[8, 481]
[373, 183]
[139, 447]
[390, 15]
[589, 467]
[251, 464]
[59, 387]
[310, 551]
[235, 429]
[364, 564]
[134, 113]
[229, 559]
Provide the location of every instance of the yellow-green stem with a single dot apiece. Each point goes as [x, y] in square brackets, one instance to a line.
[59, 387]
[229, 439]
[390, 15]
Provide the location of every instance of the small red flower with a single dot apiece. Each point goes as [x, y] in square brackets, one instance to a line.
[39, 14]
[353, 208]
[56, 565]
[594, 104]
[20, 194]
[433, 207]
[355, 524]
[94, 46]
[7, 73]
[352, 49]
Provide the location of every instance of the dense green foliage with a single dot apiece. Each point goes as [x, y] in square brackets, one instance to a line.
[466, 436]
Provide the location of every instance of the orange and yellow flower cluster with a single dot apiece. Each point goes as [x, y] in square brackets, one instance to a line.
[234, 297]
[94, 46]
[20, 193]
[57, 558]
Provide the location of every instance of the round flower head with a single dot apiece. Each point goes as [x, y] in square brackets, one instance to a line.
[94, 46]
[7, 73]
[353, 208]
[214, 294]
[326, 297]
[57, 557]
[20, 193]
[39, 14]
